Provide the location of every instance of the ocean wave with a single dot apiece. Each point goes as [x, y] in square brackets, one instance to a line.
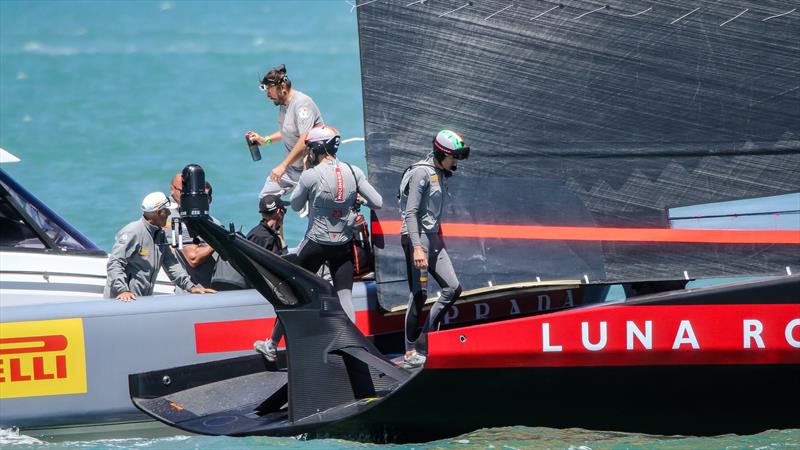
[258, 46]
[36, 47]
[11, 436]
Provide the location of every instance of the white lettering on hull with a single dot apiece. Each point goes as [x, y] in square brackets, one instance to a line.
[646, 338]
[451, 315]
[752, 332]
[790, 333]
[640, 335]
[546, 347]
[587, 344]
[569, 301]
[481, 311]
[685, 335]
[544, 302]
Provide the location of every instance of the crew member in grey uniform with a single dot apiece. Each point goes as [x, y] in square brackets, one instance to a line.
[331, 188]
[195, 255]
[139, 251]
[297, 115]
[422, 191]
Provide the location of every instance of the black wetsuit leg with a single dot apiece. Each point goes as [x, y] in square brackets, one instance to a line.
[416, 296]
[441, 269]
[340, 260]
[310, 256]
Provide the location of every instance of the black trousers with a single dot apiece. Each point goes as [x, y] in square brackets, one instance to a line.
[339, 257]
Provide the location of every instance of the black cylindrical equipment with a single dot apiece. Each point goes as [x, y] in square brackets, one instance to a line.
[194, 200]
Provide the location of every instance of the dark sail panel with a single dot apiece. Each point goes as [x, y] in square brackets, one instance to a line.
[594, 130]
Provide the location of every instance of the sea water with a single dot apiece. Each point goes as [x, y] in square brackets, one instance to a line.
[495, 438]
[104, 101]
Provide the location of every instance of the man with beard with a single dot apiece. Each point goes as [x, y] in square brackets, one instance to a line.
[297, 115]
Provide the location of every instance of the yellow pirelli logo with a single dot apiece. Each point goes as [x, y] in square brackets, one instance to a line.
[44, 357]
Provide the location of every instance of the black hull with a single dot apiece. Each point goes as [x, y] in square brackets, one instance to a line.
[674, 400]
[663, 400]
[714, 390]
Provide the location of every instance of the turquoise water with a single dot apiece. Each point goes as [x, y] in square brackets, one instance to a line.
[105, 101]
[495, 438]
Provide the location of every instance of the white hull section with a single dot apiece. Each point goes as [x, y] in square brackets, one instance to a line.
[35, 277]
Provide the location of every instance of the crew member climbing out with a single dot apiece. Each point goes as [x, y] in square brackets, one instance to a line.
[422, 191]
[331, 187]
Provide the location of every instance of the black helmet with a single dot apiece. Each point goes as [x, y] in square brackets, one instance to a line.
[322, 140]
[449, 142]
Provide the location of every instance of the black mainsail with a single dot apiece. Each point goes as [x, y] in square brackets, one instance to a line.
[616, 141]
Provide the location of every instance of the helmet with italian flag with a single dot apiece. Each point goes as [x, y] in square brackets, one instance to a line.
[449, 142]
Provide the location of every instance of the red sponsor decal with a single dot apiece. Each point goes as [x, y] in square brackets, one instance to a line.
[530, 232]
[33, 344]
[626, 336]
[23, 347]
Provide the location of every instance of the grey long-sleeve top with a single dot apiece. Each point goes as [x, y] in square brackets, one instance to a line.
[139, 251]
[330, 190]
[422, 192]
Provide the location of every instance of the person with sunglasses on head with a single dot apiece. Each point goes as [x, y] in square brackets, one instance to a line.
[332, 189]
[140, 250]
[422, 192]
[297, 115]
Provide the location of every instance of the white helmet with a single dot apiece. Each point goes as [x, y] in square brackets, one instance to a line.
[323, 139]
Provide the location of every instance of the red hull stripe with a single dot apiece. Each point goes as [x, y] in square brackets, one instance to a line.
[238, 335]
[530, 232]
[231, 335]
[626, 336]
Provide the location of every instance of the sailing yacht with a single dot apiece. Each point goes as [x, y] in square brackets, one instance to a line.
[632, 143]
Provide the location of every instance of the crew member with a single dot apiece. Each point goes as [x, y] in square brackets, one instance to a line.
[297, 115]
[196, 256]
[267, 233]
[139, 251]
[422, 192]
[331, 188]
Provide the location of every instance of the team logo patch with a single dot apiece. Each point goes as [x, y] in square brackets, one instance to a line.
[304, 113]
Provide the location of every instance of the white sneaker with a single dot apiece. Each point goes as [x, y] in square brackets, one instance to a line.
[267, 348]
[414, 359]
